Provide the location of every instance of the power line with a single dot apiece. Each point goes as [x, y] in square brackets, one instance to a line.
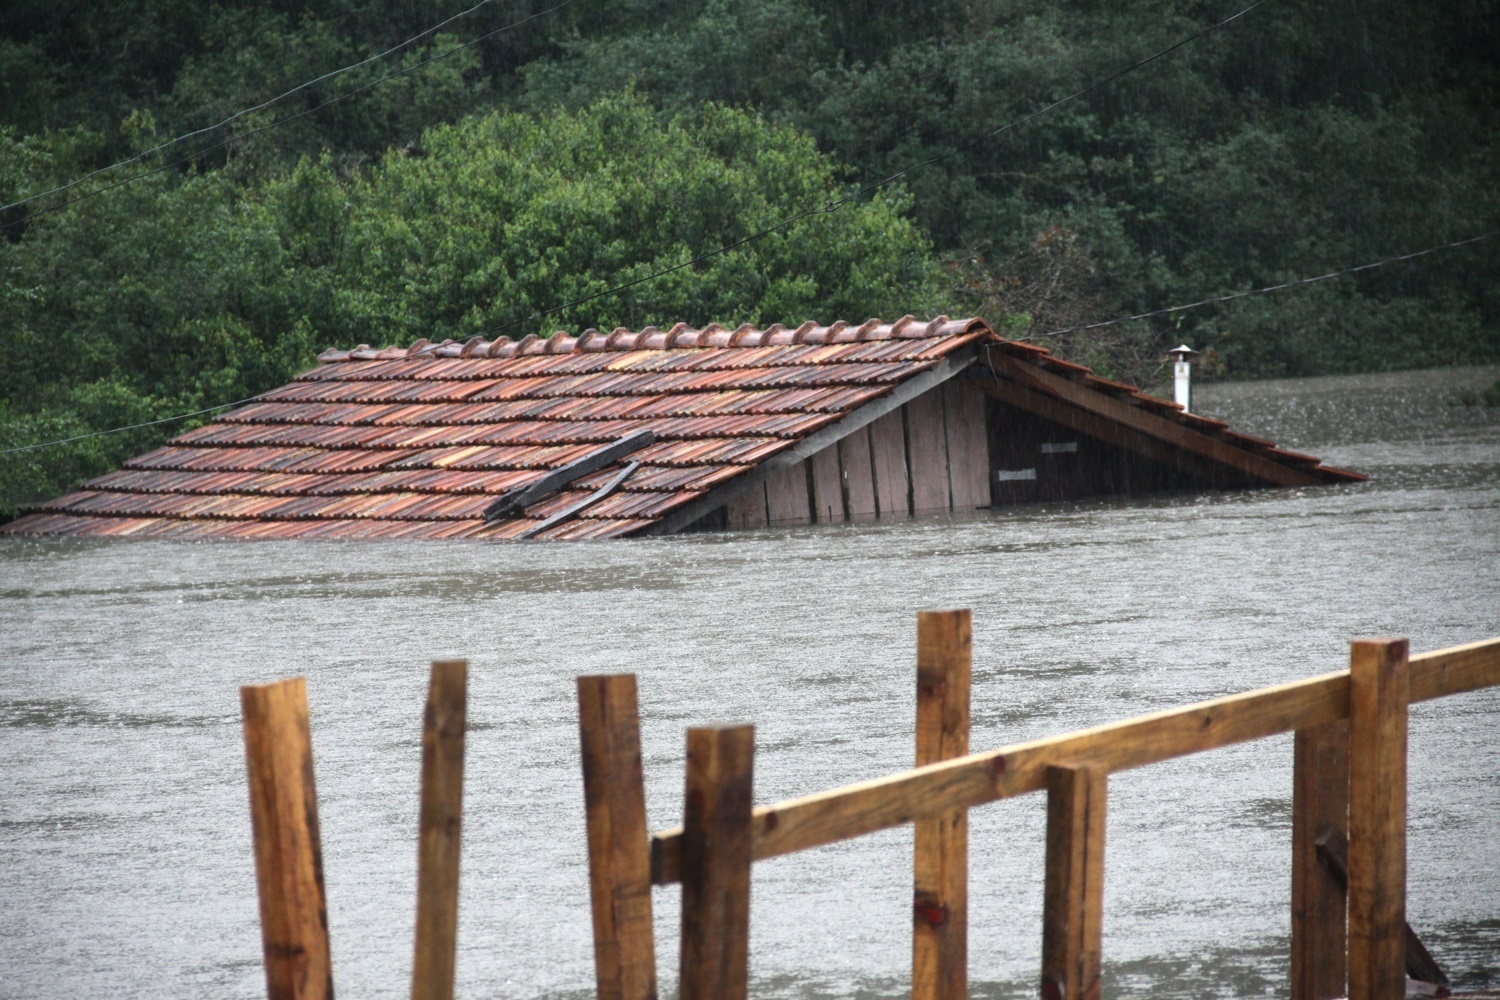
[835, 205]
[246, 111]
[280, 121]
[131, 427]
[195, 413]
[829, 207]
[1051, 333]
[1269, 288]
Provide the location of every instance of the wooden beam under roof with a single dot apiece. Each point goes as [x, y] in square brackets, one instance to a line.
[1109, 431]
[1111, 417]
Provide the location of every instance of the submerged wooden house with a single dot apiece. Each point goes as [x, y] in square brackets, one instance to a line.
[661, 431]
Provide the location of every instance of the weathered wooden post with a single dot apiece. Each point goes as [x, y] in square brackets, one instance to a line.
[1073, 907]
[1320, 799]
[443, 723]
[716, 864]
[619, 849]
[288, 854]
[1378, 692]
[940, 921]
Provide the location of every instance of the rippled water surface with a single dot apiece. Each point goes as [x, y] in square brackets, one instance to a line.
[125, 864]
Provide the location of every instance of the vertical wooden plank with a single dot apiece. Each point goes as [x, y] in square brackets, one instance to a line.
[1072, 918]
[748, 510]
[927, 452]
[716, 864]
[614, 798]
[888, 456]
[859, 479]
[1320, 798]
[968, 444]
[828, 486]
[1377, 819]
[787, 495]
[288, 852]
[940, 923]
[443, 724]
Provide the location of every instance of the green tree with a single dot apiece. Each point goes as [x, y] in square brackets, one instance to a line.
[175, 294]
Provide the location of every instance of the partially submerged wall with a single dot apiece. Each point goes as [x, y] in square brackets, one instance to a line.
[974, 442]
[928, 456]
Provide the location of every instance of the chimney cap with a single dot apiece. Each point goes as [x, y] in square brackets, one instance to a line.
[1183, 353]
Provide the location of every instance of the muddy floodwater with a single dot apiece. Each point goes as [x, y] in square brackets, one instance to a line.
[125, 858]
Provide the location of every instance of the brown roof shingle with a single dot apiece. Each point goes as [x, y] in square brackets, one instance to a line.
[417, 442]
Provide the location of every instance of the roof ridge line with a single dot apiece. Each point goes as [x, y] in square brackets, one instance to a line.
[652, 338]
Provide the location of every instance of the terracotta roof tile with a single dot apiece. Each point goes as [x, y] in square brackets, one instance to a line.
[418, 442]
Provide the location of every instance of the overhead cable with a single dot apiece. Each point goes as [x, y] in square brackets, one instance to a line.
[246, 111]
[1262, 291]
[280, 121]
[431, 348]
[368, 372]
[835, 205]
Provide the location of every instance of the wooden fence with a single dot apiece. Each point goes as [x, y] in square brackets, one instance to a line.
[1349, 766]
[1348, 825]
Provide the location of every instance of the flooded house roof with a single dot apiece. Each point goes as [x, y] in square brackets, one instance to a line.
[627, 433]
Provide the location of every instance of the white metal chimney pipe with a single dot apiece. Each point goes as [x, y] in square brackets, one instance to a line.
[1182, 372]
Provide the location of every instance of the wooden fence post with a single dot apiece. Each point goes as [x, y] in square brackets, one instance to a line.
[716, 864]
[619, 849]
[1320, 798]
[443, 722]
[1378, 691]
[288, 854]
[939, 968]
[1073, 908]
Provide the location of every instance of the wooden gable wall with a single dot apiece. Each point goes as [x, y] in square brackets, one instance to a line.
[927, 456]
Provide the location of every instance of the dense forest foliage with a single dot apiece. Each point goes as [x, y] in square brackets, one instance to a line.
[532, 153]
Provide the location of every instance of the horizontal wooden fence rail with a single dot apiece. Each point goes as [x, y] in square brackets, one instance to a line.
[894, 800]
[1349, 931]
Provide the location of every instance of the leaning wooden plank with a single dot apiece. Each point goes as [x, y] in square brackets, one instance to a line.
[288, 852]
[896, 799]
[1135, 417]
[1333, 854]
[438, 831]
[619, 862]
[1377, 819]
[514, 502]
[940, 892]
[1455, 670]
[607, 490]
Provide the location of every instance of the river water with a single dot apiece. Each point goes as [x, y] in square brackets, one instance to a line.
[125, 861]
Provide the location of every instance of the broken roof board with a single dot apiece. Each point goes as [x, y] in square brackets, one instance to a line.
[419, 442]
